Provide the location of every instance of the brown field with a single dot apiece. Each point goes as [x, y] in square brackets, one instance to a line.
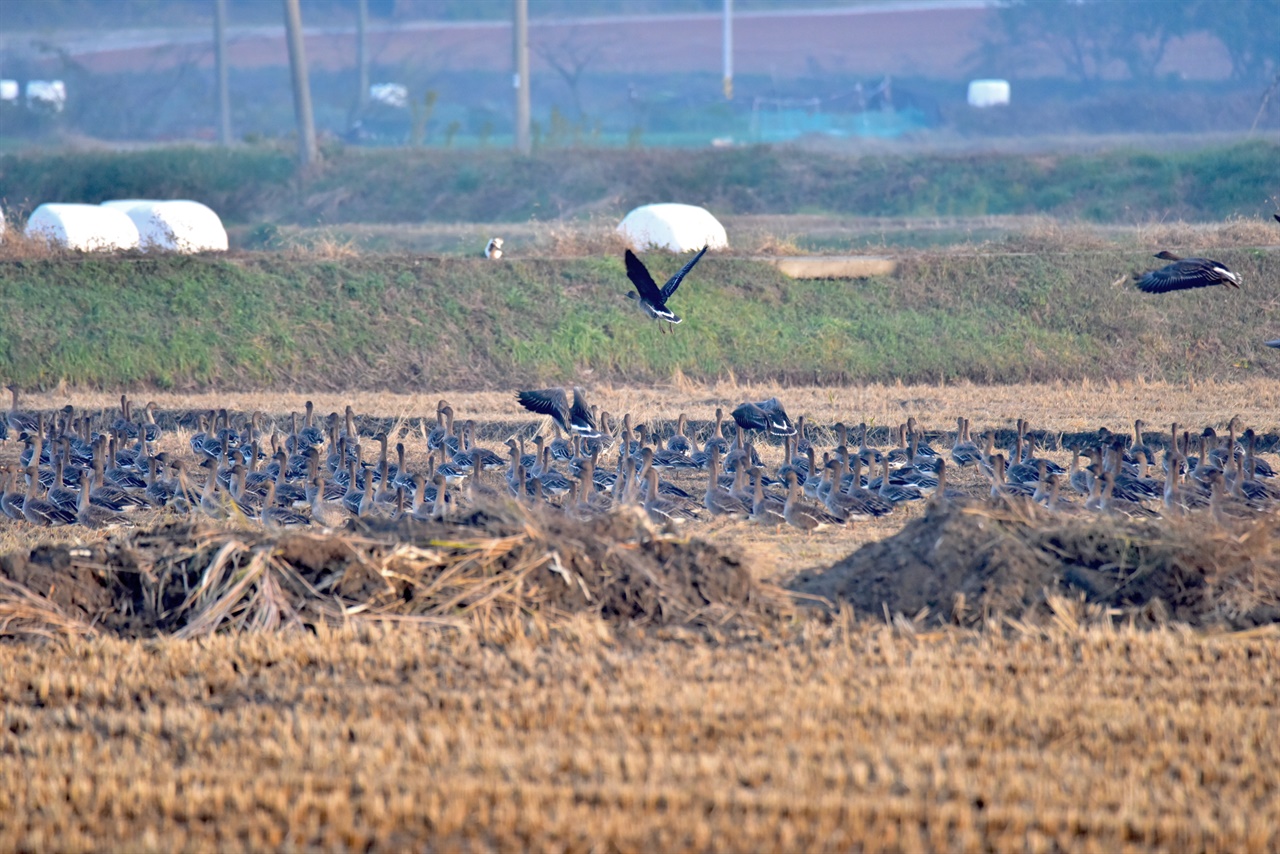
[580, 733]
[837, 738]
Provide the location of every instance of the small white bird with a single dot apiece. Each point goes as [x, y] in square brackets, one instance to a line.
[493, 250]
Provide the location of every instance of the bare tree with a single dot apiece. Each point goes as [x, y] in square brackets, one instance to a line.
[1089, 35]
[570, 56]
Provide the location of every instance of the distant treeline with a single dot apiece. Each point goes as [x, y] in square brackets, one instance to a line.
[249, 185]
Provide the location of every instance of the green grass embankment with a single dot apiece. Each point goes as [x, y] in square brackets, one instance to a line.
[250, 185]
[275, 321]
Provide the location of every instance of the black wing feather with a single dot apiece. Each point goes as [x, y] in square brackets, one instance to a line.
[749, 416]
[1181, 275]
[581, 413]
[550, 401]
[645, 285]
[674, 282]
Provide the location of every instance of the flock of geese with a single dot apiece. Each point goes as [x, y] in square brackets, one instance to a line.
[101, 469]
[75, 468]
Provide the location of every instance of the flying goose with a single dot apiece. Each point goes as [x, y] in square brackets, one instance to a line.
[767, 415]
[1185, 273]
[653, 302]
[577, 420]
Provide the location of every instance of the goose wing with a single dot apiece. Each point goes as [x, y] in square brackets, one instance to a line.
[547, 401]
[1185, 274]
[749, 416]
[645, 285]
[580, 418]
[674, 282]
[779, 422]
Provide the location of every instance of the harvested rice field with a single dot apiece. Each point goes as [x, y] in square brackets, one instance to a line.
[821, 738]
[962, 673]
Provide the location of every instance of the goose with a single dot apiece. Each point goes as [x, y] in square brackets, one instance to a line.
[653, 302]
[444, 425]
[679, 443]
[924, 450]
[663, 510]
[326, 510]
[493, 249]
[40, 512]
[19, 422]
[576, 420]
[856, 502]
[717, 500]
[11, 497]
[1109, 502]
[869, 455]
[440, 508]
[312, 434]
[1139, 443]
[766, 415]
[802, 436]
[561, 448]
[765, 510]
[900, 454]
[941, 495]
[273, 516]
[796, 515]
[1254, 465]
[1185, 273]
[964, 452]
[91, 515]
[715, 440]
[897, 493]
[420, 508]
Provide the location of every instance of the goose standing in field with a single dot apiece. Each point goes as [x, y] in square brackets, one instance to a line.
[1185, 273]
[575, 420]
[19, 422]
[493, 249]
[653, 301]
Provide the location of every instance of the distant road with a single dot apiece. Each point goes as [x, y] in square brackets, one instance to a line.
[932, 38]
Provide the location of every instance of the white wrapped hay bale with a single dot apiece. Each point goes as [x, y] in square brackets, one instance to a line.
[988, 93]
[173, 226]
[87, 228]
[679, 228]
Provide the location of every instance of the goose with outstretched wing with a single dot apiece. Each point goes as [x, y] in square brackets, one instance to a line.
[652, 299]
[1185, 273]
[576, 420]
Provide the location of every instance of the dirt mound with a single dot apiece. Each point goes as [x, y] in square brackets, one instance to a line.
[966, 562]
[501, 563]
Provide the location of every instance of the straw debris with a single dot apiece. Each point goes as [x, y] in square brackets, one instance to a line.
[501, 564]
[970, 562]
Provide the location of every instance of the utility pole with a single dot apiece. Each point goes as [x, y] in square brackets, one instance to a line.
[307, 151]
[520, 31]
[362, 54]
[728, 50]
[220, 60]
